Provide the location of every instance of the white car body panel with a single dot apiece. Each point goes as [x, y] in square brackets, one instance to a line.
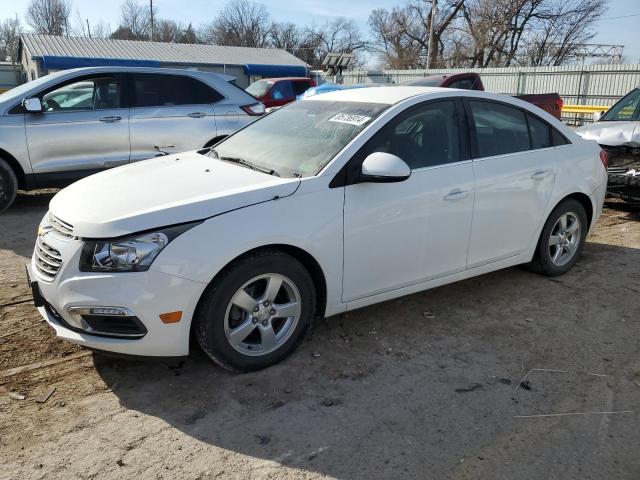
[372, 242]
[379, 218]
[163, 191]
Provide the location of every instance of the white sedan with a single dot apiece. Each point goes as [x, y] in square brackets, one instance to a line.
[329, 204]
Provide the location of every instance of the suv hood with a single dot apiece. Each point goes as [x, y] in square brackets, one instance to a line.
[614, 134]
[163, 191]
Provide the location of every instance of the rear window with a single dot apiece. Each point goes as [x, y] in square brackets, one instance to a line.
[540, 133]
[301, 86]
[500, 129]
[160, 90]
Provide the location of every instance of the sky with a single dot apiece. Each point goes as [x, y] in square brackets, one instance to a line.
[619, 26]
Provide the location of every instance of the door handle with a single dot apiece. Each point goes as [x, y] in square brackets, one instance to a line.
[197, 114]
[110, 119]
[540, 174]
[456, 194]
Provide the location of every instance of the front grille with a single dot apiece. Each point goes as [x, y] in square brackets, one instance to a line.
[60, 227]
[48, 260]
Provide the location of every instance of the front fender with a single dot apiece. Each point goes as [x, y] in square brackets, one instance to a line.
[310, 219]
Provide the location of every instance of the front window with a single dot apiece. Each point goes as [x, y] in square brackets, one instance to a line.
[259, 88]
[87, 94]
[301, 138]
[626, 109]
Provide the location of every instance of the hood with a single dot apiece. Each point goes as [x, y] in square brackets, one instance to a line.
[163, 191]
[614, 134]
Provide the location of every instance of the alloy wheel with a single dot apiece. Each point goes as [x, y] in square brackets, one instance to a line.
[262, 314]
[564, 239]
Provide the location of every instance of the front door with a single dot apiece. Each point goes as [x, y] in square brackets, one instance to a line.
[400, 234]
[83, 128]
[515, 168]
[169, 114]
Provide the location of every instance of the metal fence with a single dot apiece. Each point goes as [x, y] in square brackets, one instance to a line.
[577, 85]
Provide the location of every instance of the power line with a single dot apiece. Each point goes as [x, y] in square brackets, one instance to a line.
[623, 16]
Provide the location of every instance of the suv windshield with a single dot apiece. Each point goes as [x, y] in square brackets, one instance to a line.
[626, 109]
[259, 88]
[301, 138]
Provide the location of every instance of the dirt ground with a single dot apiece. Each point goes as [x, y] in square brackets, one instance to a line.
[427, 386]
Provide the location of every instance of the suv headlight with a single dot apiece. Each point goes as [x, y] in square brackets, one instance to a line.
[134, 253]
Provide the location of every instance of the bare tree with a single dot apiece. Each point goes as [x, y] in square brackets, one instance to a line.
[135, 21]
[240, 23]
[9, 39]
[402, 35]
[558, 37]
[48, 17]
[340, 35]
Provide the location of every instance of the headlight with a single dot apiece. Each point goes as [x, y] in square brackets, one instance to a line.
[133, 253]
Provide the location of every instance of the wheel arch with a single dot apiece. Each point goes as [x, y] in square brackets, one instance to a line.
[585, 201]
[304, 257]
[15, 166]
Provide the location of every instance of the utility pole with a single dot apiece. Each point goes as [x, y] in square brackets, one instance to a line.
[151, 10]
[88, 28]
[433, 20]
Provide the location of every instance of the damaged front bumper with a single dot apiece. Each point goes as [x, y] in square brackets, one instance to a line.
[624, 173]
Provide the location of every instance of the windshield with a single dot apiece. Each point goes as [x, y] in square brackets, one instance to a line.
[300, 138]
[259, 88]
[626, 109]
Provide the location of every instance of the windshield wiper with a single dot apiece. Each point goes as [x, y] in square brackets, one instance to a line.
[248, 164]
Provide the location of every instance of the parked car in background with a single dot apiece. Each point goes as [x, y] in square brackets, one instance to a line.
[276, 92]
[73, 123]
[549, 102]
[331, 203]
[618, 132]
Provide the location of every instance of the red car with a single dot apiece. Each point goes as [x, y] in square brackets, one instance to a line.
[550, 102]
[276, 92]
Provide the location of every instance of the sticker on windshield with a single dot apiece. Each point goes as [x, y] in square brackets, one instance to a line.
[350, 118]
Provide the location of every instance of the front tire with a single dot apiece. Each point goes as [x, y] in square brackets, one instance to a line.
[257, 312]
[8, 185]
[562, 239]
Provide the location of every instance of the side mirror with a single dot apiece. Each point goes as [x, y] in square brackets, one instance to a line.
[597, 116]
[382, 167]
[32, 105]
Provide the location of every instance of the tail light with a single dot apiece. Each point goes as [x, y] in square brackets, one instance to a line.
[254, 109]
[604, 158]
[559, 104]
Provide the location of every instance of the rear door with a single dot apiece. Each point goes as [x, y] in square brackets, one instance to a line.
[170, 113]
[84, 127]
[515, 173]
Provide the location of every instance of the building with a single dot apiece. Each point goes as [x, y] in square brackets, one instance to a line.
[9, 76]
[43, 54]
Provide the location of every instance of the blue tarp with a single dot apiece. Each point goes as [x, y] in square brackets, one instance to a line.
[64, 63]
[275, 70]
[330, 87]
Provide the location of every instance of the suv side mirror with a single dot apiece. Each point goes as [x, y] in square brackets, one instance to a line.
[382, 167]
[32, 105]
[597, 116]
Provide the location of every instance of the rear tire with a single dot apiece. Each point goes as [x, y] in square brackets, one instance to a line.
[257, 312]
[562, 239]
[8, 185]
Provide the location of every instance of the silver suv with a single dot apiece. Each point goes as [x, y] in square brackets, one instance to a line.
[73, 123]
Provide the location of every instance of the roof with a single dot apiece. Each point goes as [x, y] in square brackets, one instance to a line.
[387, 95]
[41, 46]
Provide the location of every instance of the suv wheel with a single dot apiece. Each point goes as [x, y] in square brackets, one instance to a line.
[562, 239]
[8, 185]
[257, 312]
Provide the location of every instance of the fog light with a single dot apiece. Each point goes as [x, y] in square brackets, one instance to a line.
[106, 321]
